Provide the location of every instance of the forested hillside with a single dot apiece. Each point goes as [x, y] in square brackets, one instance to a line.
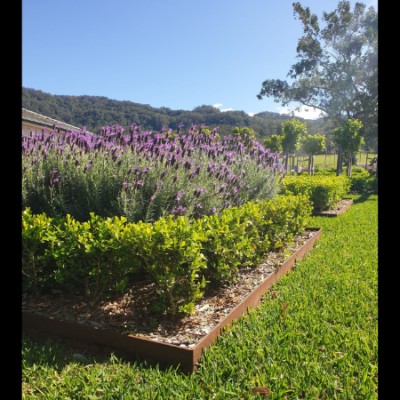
[97, 111]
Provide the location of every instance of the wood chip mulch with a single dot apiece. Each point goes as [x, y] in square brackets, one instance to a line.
[336, 208]
[128, 312]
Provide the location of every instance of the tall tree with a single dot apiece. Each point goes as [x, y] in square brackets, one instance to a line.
[337, 70]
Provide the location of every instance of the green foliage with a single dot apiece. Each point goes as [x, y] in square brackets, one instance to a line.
[170, 252]
[292, 131]
[313, 144]
[323, 191]
[361, 180]
[347, 137]
[326, 348]
[251, 231]
[38, 239]
[274, 143]
[227, 246]
[118, 175]
[178, 255]
[92, 254]
[336, 69]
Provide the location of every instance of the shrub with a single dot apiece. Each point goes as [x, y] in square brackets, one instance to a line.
[170, 252]
[323, 191]
[144, 175]
[226, 246]
[38, 238]
[242, 236]
[178, 255]
[361, 180]
[92, 254]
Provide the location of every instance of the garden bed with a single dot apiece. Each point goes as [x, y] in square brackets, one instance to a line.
[339, 208]
[116, 325]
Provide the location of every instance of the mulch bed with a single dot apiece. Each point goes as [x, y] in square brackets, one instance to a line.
[129, 312]
[335, 209]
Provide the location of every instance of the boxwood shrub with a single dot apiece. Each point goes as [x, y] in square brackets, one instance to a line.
[361, 181]
[323, 191]
[179, 256]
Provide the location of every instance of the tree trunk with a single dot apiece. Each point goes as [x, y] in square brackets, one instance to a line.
[366, 162]
[349, 162]
[339, 163]
[286, 162]
[312, 164]
[309, 164]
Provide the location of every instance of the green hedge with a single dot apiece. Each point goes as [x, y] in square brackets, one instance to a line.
[180, 257]
[323, 191]
[361, 181]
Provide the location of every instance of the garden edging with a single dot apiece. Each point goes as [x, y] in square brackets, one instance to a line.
[329, 213]
[100, 341]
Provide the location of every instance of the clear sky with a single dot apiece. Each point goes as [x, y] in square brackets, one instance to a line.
[166, 53]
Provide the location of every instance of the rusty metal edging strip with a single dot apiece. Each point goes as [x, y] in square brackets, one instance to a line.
[254, 298]
[101, 341]
[325, 214]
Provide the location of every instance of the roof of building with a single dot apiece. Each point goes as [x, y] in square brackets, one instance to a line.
[43, 120]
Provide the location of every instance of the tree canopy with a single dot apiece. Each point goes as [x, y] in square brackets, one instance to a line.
[347, 136]
[336, 70]
[274, 143]
[293, 131]
[313, 144]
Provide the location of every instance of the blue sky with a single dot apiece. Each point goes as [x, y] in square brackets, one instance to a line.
[166, 53]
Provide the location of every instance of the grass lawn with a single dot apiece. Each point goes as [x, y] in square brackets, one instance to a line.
[324, 346]
[332, 160]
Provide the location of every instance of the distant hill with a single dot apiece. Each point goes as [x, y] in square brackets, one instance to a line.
[97, 111]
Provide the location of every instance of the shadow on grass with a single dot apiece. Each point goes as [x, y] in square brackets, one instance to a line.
[56, 355]
[47, 353]
[365, 197]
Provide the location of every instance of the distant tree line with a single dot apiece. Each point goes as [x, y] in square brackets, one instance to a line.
[94, 112]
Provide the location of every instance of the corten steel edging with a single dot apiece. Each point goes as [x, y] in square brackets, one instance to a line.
[326, 214]
[105, 342]
[254, 298]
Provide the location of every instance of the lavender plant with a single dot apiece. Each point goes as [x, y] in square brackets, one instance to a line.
[144, 175]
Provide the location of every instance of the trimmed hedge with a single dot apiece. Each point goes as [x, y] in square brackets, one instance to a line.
[179, 256]
[361, 180]
[323, 191]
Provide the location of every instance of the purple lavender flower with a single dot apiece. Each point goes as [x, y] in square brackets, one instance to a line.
[179, 196]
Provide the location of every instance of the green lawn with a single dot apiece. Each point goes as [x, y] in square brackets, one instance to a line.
[332, 160]
[325, 348]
